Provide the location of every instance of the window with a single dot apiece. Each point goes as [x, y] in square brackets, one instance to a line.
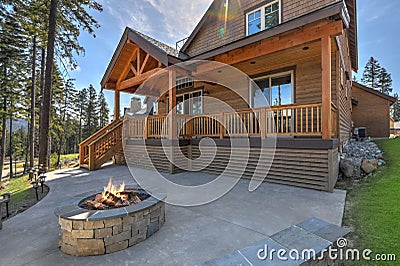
[184, 82]
[263, 18]
[274, 90]
[189, 103]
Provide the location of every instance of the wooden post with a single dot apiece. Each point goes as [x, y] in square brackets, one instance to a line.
[117, 108]
[172, 127]
[81, 154]
[326, 45]
[91, 163]
[172, 105]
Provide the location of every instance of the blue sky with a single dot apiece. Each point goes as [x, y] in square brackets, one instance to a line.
[173, 20]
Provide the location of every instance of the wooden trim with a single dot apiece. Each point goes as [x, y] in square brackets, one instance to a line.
[326, 45]
[126, 84]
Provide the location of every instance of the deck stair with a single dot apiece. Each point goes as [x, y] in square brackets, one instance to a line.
[101, 146]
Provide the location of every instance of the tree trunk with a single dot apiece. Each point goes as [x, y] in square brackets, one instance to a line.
[32, 125]
[27, 151]
[11, 146]
[3, 138]
[47, 92]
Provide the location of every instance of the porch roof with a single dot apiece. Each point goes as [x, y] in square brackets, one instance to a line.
[162, 52]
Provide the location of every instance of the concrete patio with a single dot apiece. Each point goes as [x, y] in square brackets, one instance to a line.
[189, 236]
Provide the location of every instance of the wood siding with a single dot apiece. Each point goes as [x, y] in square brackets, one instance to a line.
[308, 168]
[209, 36]
[344, 91]
[371, 112]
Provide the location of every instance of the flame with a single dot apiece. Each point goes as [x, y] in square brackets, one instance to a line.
[112, 189]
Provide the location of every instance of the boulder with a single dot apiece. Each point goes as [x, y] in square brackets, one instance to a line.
[369, 166]
[350, 168]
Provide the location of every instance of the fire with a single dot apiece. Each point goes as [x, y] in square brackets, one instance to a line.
[112, 189]
[113, 196]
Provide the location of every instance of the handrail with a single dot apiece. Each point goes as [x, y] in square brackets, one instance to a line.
[107, 131]
[99, 132]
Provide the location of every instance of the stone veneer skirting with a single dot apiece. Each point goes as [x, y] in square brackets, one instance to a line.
[88, 233]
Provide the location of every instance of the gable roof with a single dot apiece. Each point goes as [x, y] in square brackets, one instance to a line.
[160, 51]
[375, 92]
[348, 6]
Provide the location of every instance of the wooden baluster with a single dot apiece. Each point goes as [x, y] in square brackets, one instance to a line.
[301, 114]
[287, 120]
[307, 120]
[222, 126]
[312, 119]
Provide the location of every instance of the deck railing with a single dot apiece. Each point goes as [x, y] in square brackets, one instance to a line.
[96, 146]
[287, 120]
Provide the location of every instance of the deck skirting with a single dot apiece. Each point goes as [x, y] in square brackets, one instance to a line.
[308, 163]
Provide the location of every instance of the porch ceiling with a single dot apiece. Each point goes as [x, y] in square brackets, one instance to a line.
[280, 60]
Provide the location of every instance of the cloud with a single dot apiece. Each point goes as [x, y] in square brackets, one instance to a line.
[166, 20]
[180, 16]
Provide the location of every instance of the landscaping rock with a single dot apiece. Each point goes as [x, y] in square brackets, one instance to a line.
[369, 166]
[350, 168]
[360, 158]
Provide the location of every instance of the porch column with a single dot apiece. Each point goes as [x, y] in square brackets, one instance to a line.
[172, 135]
[117, 109]
[326, 45]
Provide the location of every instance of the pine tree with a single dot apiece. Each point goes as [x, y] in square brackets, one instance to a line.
[81, 106]
[396, 109]
[371, 73]
[91, 113]
[104, 111]
[385, 82]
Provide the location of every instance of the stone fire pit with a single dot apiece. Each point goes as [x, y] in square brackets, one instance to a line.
[85, 232]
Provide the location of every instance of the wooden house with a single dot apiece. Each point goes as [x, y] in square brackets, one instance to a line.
[371, 109]
[305, 49]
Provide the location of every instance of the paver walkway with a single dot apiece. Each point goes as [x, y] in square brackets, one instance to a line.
[189, 236]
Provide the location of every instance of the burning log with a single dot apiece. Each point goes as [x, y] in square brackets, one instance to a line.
[112, 197]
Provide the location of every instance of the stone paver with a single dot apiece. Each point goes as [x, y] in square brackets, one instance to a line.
[189, 235]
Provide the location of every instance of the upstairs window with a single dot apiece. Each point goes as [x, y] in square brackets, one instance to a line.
[263, 18]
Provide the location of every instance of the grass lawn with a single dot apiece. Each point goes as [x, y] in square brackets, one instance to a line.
[373, 206]
[23, 195]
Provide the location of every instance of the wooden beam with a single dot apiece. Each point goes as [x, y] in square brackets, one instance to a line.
[137, 80]
[326, 45]
[111, 86]
[133, 69]
[172, 104]
[117, 108]
[281, 42]
[144, 64]
[138, 63]
[126, 69]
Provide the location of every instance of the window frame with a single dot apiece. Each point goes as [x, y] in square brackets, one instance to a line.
[262, 9]
[270, 77]
[201, 90]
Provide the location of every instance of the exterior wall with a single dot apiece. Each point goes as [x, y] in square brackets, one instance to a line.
[209, 35]
[311, 164]
[343, 87]
[371, 112]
